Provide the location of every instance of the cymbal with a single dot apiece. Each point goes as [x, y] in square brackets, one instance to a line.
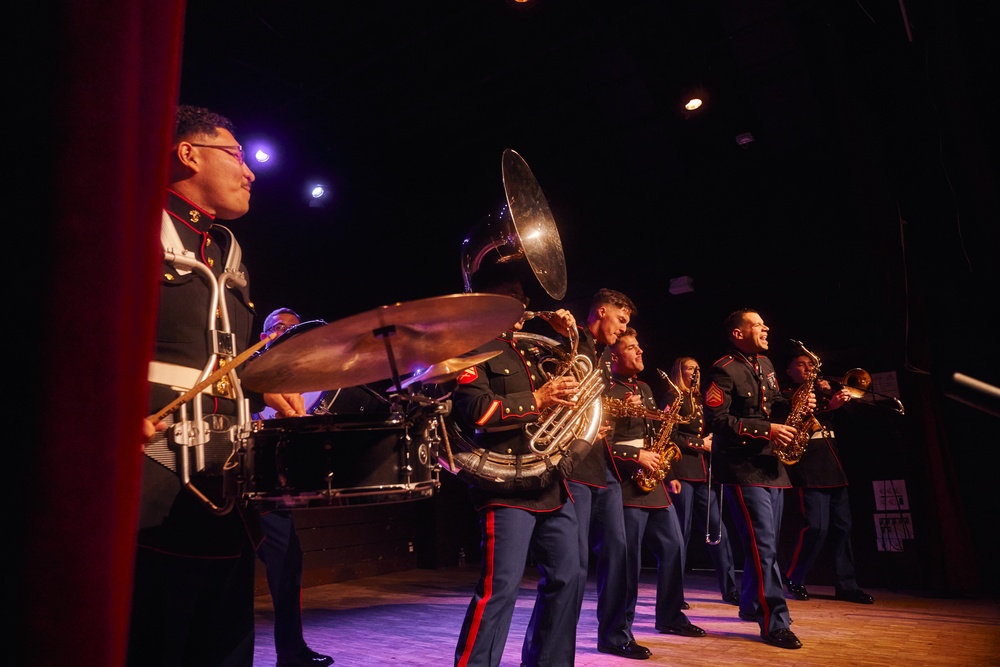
[356, 350]
[449, 369]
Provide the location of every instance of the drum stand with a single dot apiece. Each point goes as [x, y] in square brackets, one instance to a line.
[189, 438]
[424, 413]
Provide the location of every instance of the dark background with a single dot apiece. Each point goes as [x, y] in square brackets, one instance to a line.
[861, 219]
[867, 188]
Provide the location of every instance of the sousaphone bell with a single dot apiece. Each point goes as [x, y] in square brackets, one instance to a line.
[522, 229]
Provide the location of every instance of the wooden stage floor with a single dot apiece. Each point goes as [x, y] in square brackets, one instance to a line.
[413, 618]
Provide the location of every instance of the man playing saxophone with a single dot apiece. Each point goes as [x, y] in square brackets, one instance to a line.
[740, 399]
[641, 448]
[698, 503]
[821, 491]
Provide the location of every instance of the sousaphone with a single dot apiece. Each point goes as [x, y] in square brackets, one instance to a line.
[525, 231]
[522, 229]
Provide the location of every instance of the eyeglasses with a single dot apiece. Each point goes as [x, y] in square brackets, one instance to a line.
[226, 149]
[280, 328]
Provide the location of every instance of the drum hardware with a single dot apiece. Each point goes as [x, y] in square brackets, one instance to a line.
[188, 438]
[385, 342]
[446, 370]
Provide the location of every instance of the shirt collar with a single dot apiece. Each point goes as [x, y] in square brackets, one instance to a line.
[188, 212]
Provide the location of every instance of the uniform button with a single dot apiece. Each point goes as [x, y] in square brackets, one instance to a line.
[532, 408]
[208, 240]
[507, 371]
[211, 262]
[507, 411]
[168, 276]
[520, 408]
[510, 451]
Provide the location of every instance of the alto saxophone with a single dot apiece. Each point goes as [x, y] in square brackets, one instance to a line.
[801, 417]
[662, 446]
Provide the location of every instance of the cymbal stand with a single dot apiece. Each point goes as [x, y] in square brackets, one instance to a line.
[384, 333]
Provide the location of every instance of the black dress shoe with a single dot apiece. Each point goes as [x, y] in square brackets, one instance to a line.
[686, 630]
[856, 595]
[308, 658]
[782, 638]
[628, 650]
[797, 591]
[732, 597]
[744, 616]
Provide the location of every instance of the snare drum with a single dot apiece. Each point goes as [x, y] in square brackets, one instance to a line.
[330, 460]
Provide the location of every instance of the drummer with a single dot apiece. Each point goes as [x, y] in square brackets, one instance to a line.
[361, 399]
[278, 322]
[281, 551]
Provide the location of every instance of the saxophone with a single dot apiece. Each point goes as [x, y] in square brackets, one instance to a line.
[801, 417]
[662, 446]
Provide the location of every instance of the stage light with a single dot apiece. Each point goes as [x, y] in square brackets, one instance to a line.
[262, 153]
[319, 193]
[694, 99]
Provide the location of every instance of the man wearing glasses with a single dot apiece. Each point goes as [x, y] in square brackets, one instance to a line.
[193, 588]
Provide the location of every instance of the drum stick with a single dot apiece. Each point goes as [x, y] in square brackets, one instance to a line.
[447, 443]
[222, 370]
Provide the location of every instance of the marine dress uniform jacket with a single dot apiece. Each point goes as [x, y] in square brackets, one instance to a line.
[624, 460]
[173, 519]
[742, 391]
[492, 403]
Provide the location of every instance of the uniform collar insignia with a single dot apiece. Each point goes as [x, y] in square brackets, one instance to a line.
[188, 212]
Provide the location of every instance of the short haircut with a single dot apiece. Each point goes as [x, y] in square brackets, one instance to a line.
[270, 320]
[629, 331]
[735, 319]
[610, 297]
[192, 121]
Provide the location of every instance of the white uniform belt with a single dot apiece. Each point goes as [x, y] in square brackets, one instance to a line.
[637, 442]
[822, 433]
[179, 378]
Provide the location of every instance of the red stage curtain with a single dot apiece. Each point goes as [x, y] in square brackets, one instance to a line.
[108, 73]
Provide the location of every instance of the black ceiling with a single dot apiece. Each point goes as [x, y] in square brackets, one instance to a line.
[406, 107]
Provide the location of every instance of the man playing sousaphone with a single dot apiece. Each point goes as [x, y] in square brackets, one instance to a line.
[493, 402]
[522, 508]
